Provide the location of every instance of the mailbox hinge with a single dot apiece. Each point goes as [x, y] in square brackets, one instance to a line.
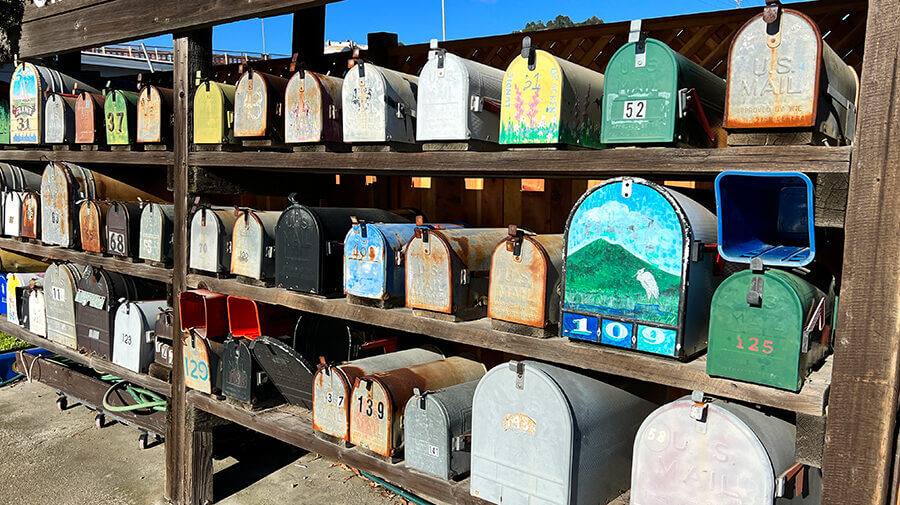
[519, 368]
[639, 37]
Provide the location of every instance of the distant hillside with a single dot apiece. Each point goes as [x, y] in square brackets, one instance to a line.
[560, 22]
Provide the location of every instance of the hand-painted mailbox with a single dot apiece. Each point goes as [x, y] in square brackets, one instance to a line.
[31, 214]
[211, 239]
[253, 244]
[59, 118]
[548, 100]
[100, 292]
[60, 282]
[377, 402]
[154, 115]
[90, 122]
[16, 293]
[3, 293]
[157, 233]
[542, 434]
[26, 100]
[37, 314]
[526, 271]
[781, 74]
[437, 431]
[717, 452]
[63, 185]
[447, 271]
[458, 99]
[653, 95]
[120, 111]
[12, 213]
[213, 112]
[636, 274]
[204, 324]
[133, 334]
[123, 229]
[92, 225]
[379, 105]
[312, 108]
[333, 384]
[259, 106]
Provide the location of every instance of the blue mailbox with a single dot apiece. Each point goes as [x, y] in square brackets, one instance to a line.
[3, 294]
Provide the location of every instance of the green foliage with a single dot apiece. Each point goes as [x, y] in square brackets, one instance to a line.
[11, 12]
[8, 343]
[560, 22]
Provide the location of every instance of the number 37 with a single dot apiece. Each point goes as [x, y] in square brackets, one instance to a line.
[767, 345]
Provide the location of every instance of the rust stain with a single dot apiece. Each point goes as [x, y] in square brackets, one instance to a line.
[31, 215]
[91, 218]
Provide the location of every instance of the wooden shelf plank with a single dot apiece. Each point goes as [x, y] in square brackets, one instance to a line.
[142, 270]
[811, 400]
[536, 162]
[105, 157]
[103, 365]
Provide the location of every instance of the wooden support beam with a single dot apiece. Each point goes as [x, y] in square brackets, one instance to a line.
[308, 37]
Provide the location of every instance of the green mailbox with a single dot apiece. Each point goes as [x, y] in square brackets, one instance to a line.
[4, 120]
[120, 111]
[653, 95]
[768, 327]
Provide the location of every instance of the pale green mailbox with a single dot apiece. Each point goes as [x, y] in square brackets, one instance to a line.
[120, 111]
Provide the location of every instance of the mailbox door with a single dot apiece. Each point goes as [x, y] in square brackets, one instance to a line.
[251, 110]
[313, 108]
[291, 373]
[372, 418]
[522, 287]
[12, 214]
[252, 239]
[133, 341]
[56, 227]
[26, 106]
[432, 424]
[91, 218]
[97, 298]
[364, 106]
[150, 118]
[429, 275]
[213, 113]
[123, 228]
[89, 122]
[443, 99]
[237, 371]
[120, 111]
[59, 282]
[37, 319]
[299, 250]
[163, 353]
[209, 240]
[4, 119]
[31, 215]
[370, 260]
[200, 364]
[156, 232]
[59, 119]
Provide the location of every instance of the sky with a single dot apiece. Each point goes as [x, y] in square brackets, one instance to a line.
[417, 21]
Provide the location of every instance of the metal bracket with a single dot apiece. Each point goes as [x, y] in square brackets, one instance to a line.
[462, 443]
[519, 368]
[772, 17]
[797, 473]
[639, 37]
[754, 296]
[689, 103]
[333, 247]
[697, 250]
[816, 322]
[261, 378]
[270, 251]
[529, 52]
[464, 276]
[477, 103]
[700, 408]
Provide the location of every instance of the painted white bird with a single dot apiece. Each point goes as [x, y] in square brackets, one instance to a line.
[649, 283]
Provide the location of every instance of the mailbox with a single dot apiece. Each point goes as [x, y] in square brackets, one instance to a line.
[2, 293]
[379, 105]
[164, 336]
[259, 106]
[92, 222]
[458, 99]
[213, 112]
[636, 271]
[308, 248]
[133, 338]
[204, 324]
[378, 400]
[312, 105]
[31, 214]
[37, 315]
[211, 239]
[120, 110]
[251, 319]
[437, 431]
[90, 122]
[447, 271]
[542, 434]
[653, 95]
[548, 100]
[332, 387]
[781, 74]
[63, 185]
[253, 244]
[60, 281]
[242, 378]
[123, 229]
[26, 99]
[15, 179]
[154, 115]
[17, 295]
[717, 452]
[202, 363]
[157, 233]
[59, 118]
[526, 270]
[12, 213]
[98, 296]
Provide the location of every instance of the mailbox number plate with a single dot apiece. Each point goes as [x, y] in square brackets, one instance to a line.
[635, 109]
[116, 243]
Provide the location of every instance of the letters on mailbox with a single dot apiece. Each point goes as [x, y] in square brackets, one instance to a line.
[37, 319]
[211, 239]
[458, 99]
[134, 328]
[60, 282]
[545, 434]
[437, 431]
[253, 244]
[59, 118]
[157, 233]
[548, 100]
[63, 185]
[154, 115]
[123, 229]
[737, 454]
[526, 270]
[202, 363]
[379, 105]
[90, 122]
[782, 75]
[259, 105]
[31, 214]
[312, 105]
[376, 411]
[653, 95]
[98, 296]
[92, 220]
[635, 274]
[26, 100]
[120, 111]
[213, 112]
[447, 270]
[17, 295]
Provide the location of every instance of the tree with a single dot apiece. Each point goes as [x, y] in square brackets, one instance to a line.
[560, 22]
[10, 28]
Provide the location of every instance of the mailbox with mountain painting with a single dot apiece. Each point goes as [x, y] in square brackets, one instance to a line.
[635, 270]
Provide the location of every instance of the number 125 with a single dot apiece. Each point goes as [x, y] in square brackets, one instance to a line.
[767, 345]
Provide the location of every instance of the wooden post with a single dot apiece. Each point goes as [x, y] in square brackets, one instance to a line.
[863, 401]
[308, 37]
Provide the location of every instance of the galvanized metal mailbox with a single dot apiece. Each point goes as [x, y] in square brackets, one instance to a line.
[211, 230]
[90, 122]
[14, 179]
[253, 244]
[548, 100]
[378, 400]
[447, 271]
[332, 385]
[31, 214]
[154, 115]
[242, 378]
[636, 274]
[37, 315]
[123, 229]
[120, 110]
[63, 185]
[12, 213]
[458, 99]
[60, 281]
[542, 434]
[379, 105]
[16, 293]
[213, 112]
[717, 452]
[26, 99]
[164, 337]
[781, 74]
[309, 249]
[653, 95]
[157, 233]
[437, 431]
[259, 106]
[98, 296]
[204, 313]
[59, 118]
[133, 337]
[92, 225]
[312, 108]
[526, 271]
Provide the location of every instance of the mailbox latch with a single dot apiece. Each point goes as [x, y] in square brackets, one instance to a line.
[462, 443]
[700, 408]
[639, 37]
[519, 368]
[754, 296]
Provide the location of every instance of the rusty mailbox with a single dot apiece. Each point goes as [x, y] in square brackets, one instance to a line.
[783, 78]
[92, 225]
[543, 434]
[123, 228]
[26, 99]
[157, 233]
[259, 106]
[59, 118]
[447, 271]
[17, 295]
[31, 214]
[37, 314]
[120, 111]
[133, 334]
[204, 325]
[549, 100]
[253, 244]
[312, 108]
[63, 185]
[526, 270]
[98, 296]
[154, 115]
[211, 230]
[213, 112]
[458, 99]
[60, 281]
[378, 400]
[713, 451]
[90, 122]
[379, 105]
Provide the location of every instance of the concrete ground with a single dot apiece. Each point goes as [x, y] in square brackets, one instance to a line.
[60, 458]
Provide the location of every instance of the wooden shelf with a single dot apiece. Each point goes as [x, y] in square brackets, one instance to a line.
[106, 157]
[135, 269]
[811, 400]
[144, 380]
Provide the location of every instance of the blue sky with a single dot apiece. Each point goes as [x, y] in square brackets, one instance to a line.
[418, 21]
